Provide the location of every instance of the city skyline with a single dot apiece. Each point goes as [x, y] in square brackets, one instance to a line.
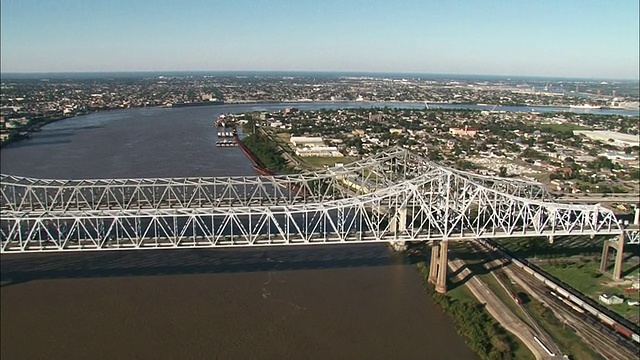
[581, 39]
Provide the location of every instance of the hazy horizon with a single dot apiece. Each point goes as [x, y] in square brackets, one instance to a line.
[570, 39]
[300, 73]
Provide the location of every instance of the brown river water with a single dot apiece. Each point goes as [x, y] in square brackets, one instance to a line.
[304, 302]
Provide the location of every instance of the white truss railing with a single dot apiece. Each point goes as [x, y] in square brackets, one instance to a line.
[394, 196]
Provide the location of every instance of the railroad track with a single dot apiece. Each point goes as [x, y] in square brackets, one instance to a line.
[527, 318]
[604, 341]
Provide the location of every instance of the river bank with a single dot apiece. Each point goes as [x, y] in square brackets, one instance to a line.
[25, 133]
[249, 106]
[483, 334]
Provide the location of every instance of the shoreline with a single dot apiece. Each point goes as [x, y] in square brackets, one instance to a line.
[352, 104]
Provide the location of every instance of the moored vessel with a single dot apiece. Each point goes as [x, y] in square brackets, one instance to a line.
[585, 106]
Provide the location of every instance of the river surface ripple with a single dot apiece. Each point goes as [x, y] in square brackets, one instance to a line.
[307, 302]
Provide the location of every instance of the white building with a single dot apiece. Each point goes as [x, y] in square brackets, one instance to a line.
[616, 155]
[616, 138]
[610, 299]
[325, 151]
[305, 141]
[466, 131]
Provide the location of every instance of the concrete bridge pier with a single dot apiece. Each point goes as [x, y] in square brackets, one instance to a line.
[433, 267]
[398, 245]
[618, 246]
[438, 265]
[398, 224]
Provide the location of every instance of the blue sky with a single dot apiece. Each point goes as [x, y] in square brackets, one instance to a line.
[597, 39]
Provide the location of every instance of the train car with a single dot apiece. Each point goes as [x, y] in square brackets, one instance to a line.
[563, 292]
[622, 330]
[606, 319]
[582, 302]
[572, 306]
[541, 278]
[576, 300]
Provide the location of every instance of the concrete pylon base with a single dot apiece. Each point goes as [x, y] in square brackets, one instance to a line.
[398, 246]
[438, 266]
[618, 246]
[433, 262]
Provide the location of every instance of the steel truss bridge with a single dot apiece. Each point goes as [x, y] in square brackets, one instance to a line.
[395, 196]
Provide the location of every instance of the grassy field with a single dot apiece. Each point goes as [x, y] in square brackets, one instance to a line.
[584, 275]
[285, 137]
[578, 264]
[318, 162]
[570, 342]
[559, 127]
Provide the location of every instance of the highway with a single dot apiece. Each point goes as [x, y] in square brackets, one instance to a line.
[498, 310]
[536, 329]
[602, 339]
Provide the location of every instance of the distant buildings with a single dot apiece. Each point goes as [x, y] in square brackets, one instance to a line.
[376, 117]
[466, 131]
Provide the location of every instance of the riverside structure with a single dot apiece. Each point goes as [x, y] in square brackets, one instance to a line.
[394, 197]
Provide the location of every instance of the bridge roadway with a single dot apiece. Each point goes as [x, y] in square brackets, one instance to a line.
[91, 242]
[199, 202]
[628, 198]
[196, 203]
[394, 196]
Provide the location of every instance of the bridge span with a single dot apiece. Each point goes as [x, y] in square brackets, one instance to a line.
[593, 198]
[394, 197]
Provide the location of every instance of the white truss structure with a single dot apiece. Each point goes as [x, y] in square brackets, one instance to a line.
[393, 196]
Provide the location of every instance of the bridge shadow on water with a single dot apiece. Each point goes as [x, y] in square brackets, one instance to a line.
[21, 268]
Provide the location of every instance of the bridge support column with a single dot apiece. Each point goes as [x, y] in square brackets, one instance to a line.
[398, 220]
[438, 265]
[398, 245]
[617, 267]
[433, 262]
[398, 224]
[636, 217]
[618, 246]
[441, 279]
